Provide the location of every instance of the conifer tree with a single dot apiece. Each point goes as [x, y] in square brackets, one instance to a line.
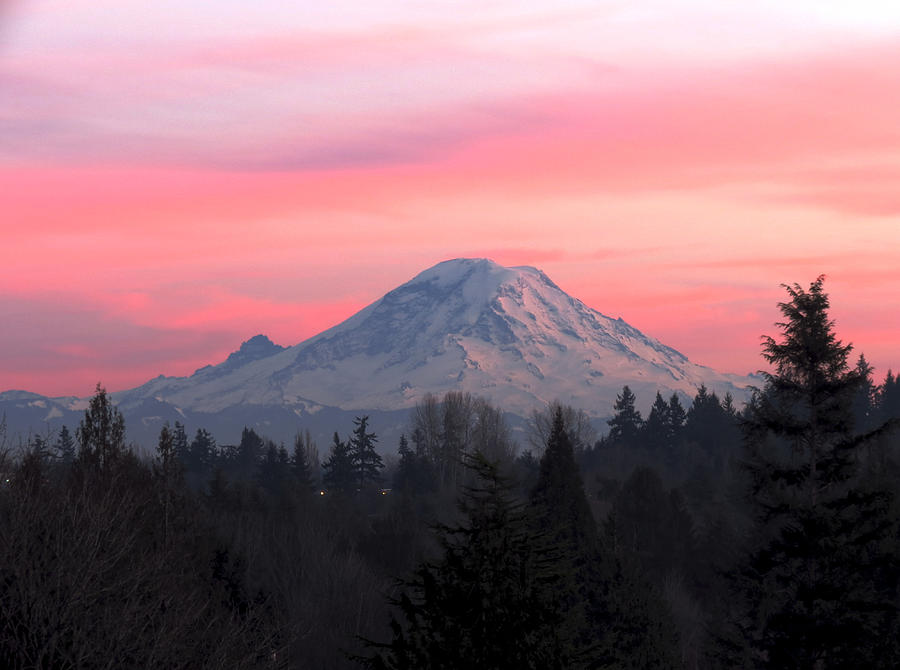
[626, 424]
[300, 465]
[485, 602]
[566, 531]
[414, 475]
[180, 443]
[819, 587]
[65, 446]
[101, 433]
[249, 453]
[676, 420]
[655, 430]
[338, 474]
[610, 617]
[201, 454]
[366, 462]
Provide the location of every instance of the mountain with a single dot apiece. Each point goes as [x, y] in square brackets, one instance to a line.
[509, 334]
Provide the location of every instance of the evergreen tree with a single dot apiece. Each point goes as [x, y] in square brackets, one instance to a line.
[610, 617]
[65, 446]
[819, 587]
[676, 419]
[626, 423]
[338, 473]
[414, 475]
[655, 431]
[864, 418]
[270, 471]
[249, 453]
[566, 531]
[201, 454]
[485, 603]
[889, 398]
[366, 462]
[300, 465]
[101, 433]
[180, 443]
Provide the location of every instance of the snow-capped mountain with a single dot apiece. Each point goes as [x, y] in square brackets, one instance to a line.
[509, 334]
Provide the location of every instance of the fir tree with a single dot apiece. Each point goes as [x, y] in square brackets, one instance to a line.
[180, 443]
[676, 419]
[820, 584]
[626, 423]
[338, 474]
[101, 433]
[201, 453]
[300, 465]
[567, 531]
[655, 429]
[864, 418]
[485, 603]
[249, 453]
[65, 446]
[366, 462]
[414, 475]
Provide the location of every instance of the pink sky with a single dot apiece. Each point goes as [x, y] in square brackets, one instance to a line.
[179, 176]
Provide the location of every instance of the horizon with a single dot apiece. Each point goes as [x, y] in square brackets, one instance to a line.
[180, 178]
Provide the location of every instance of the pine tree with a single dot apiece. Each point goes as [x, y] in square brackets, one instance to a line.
[300, 465]
[338, 474]
[820, 584]
[567, 531]
[201, 454]
[626, 424]
[249, 453]
[366, 462]
[65, 446]
[676, 420]
[485, 603]
[101, 433]
[864, 418]
[414, 475]
[180, 443]
[609, 617]
[655, 431]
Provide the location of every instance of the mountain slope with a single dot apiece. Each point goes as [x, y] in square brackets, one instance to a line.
[509, 334]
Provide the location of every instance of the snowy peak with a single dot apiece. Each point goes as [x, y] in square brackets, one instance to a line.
[507, 333]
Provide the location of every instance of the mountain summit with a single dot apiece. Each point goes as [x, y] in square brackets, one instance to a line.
[509, 334]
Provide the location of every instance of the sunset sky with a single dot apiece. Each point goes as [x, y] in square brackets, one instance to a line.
[177, 176]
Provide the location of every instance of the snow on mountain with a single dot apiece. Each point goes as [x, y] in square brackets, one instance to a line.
[509, 334]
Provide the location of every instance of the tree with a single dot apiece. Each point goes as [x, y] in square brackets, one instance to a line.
[365, 461]
[610, 617]
[201, 454]
[249, 453]
[101, 433]
[656, 427]
[819, 585]
[560, 510]
[65, 446]
[180, 443]
[414, 475]
[626, 424]
[301, 465]
[485, 602]
[338, 474]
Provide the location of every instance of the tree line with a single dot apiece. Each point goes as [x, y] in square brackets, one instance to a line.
[702, 536]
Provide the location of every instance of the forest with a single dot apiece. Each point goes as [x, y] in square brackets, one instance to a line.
[704, 535]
